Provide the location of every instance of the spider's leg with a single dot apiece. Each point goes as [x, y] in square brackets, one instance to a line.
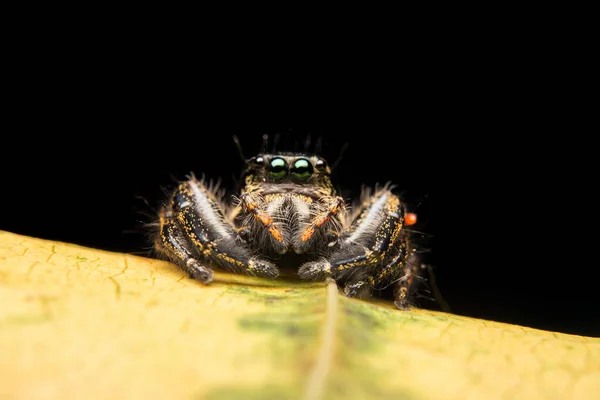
[365, 243]
[372, 251]
[401, 271]
[194, 228]
[252, 204]
[173, 244]
[404, 285]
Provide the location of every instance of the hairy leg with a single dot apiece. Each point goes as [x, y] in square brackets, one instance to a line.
[374, 251]
[193, 228]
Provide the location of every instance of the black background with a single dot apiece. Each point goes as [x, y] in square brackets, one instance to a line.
[473, 156]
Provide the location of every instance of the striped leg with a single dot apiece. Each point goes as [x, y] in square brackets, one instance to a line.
[193, 229]
[177, 248]
[373, 251]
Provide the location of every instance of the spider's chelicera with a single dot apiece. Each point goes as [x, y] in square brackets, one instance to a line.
[289, 212]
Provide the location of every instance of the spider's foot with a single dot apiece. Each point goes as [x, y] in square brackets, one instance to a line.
[199, 272]
[402, 305]
[259, 267]
[315, 270]
[402, 299]
[356, 289]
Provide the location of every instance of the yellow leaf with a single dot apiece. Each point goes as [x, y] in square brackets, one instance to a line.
[80, 323]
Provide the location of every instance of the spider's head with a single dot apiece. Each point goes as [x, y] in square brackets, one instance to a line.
[286, 167]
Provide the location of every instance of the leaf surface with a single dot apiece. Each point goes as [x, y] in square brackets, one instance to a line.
[77, 323]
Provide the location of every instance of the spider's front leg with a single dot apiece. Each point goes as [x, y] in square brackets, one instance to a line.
[373, 252]
[194, 233]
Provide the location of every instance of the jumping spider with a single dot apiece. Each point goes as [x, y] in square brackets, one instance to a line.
[289, 207]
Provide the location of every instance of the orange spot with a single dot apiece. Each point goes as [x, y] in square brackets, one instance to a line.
[321, 220]
[276, 234]
[268, 222]
[307, 234]
[247, 200]
[410, 219]
[265, 219]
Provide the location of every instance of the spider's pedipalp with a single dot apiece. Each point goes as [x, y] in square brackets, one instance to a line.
[253, 205]
[314, 229]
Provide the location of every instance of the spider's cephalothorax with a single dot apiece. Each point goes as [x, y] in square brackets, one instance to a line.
[288, 206]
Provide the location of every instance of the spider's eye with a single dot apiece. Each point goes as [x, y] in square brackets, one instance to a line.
[259, 160]
[321, 164]
[278, 167]
[302, 168]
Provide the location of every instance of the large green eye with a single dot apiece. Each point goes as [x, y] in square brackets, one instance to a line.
[278, 167]
[302, 168]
